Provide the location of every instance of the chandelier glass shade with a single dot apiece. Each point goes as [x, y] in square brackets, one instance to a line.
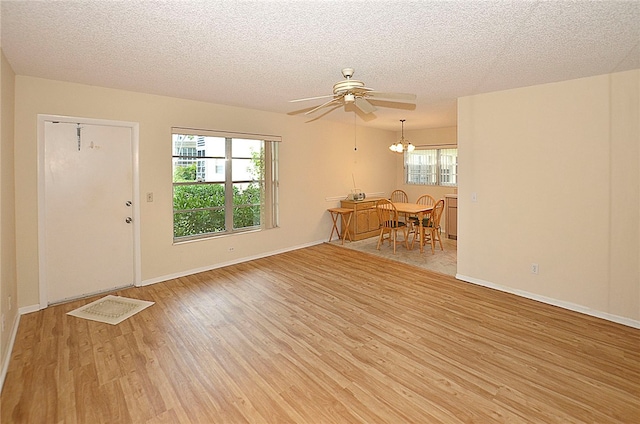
[403, 144]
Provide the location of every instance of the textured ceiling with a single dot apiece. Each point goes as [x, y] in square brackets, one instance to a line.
[260, 54]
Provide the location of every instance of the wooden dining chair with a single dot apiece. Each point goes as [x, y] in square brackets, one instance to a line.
[399, 196]
[425, 199]
[390, 224]
[431, 227]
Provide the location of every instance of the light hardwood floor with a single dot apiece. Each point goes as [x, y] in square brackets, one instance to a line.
[323, 335]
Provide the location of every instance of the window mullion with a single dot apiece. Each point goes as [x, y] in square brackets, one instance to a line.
[438, 166]
[228, 186]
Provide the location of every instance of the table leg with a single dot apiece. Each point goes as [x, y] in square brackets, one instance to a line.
[345, 227]
[421, 229]
[334, 218]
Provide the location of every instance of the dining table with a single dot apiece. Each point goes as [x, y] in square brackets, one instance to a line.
[414, 209]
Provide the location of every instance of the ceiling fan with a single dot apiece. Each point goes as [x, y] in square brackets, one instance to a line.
[353, 91]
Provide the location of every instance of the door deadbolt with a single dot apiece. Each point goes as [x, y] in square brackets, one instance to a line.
[128, 220]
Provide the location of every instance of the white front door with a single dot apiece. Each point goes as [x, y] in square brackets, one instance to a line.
[88, 210]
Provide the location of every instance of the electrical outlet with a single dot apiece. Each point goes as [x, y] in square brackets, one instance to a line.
[231, 249]
[150, 196]
[534, 269]
[474, 197]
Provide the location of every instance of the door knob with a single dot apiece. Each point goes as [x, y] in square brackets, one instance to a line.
[128, 220]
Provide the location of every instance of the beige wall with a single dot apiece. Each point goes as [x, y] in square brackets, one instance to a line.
[431, 137]
[317, 161]
[8, 284]
[555, 170]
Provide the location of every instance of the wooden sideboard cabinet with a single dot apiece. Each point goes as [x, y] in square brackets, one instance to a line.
[452, 216]
[364, 221]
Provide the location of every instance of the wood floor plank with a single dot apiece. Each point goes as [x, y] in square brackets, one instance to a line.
[323, 335]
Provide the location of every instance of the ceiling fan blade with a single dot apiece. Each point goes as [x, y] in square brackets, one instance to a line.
[393, 97]
[311, 98]
[364, 105]
[325, 112]
[321, 106]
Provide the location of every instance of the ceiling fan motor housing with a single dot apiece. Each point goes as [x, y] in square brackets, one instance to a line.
[348, 86]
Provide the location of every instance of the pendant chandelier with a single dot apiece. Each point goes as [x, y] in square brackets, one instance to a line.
[403, 144]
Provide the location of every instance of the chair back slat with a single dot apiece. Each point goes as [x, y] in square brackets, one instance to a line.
[426, 199]
[399, 196]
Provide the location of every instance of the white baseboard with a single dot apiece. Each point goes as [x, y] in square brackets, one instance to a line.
[223, 264]
[555, 302]
[9, 351]
[28, 309]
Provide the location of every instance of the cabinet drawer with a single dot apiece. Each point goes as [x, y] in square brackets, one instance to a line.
[365, 205]
[358, 204]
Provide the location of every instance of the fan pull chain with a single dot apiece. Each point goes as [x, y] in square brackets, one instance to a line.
[355, 133]
[78, 129]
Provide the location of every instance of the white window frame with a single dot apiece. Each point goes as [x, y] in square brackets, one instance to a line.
[433, 171]
[269, 185]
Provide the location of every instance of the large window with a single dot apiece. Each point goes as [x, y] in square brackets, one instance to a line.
[436, 166]
[223, 183]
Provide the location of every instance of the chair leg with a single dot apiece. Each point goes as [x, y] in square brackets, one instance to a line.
[433, 242]
[416, 234]
[395, 236]
[380, 238]
[440, 240]
[406, 238]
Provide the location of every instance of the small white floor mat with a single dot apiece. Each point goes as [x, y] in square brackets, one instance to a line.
[111, 309]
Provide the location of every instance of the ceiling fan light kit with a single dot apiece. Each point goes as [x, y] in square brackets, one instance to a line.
[402, 144]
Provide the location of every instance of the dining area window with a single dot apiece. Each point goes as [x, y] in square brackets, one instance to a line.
[433, 166]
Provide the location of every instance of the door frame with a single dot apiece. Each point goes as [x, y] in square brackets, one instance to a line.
[135, 142]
